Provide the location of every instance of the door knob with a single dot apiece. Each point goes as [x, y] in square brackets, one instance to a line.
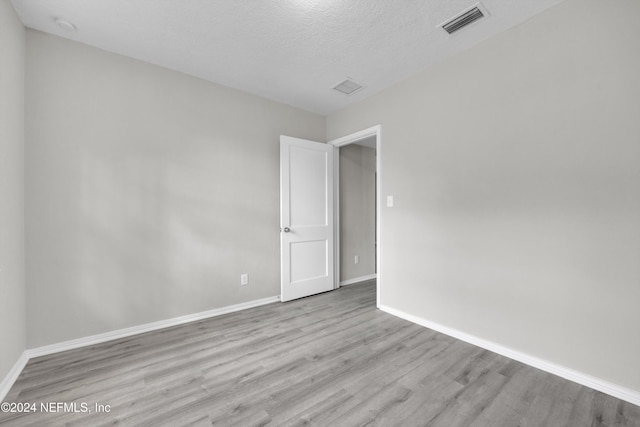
[287, 229]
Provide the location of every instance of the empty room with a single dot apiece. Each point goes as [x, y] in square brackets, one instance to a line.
[320, 212]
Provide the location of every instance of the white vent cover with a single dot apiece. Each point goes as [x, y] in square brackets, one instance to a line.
[464, 18]
[348, 87]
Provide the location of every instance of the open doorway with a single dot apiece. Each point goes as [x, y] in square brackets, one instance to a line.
[357, 211]
[357, 185]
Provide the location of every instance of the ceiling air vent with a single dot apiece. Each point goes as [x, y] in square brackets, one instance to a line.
[462, 20]
[348, 87]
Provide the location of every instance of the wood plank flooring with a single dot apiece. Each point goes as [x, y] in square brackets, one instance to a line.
[327, 360]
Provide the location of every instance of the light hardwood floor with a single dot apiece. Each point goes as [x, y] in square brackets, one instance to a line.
[327, 360]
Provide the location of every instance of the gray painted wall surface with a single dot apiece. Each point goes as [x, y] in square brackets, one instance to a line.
[148, 191]
[515, 168]
[12, 286]
[357, 211]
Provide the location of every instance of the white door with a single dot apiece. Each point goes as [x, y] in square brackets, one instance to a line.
[306, 218]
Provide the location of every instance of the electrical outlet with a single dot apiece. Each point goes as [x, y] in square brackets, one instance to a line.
[356, 259]
[244, 279]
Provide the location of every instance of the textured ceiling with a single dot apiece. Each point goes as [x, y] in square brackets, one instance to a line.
[292, 51]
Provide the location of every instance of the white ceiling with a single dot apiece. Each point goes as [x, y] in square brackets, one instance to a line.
[292, 51]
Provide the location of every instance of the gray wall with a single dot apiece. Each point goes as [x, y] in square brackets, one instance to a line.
[148, 191]
[515, 168]
[12, 287]
[357, 211]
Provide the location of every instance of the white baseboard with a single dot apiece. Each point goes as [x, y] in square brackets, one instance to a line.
[12, 376]
[147, 327]
[612, 389]
[615, 390]
[358, 280]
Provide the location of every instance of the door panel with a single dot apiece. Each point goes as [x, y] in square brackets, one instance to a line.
[306, 217]
[308, 260]
[308, 178]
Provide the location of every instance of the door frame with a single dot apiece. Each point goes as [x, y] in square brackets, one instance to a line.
[340, 142]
